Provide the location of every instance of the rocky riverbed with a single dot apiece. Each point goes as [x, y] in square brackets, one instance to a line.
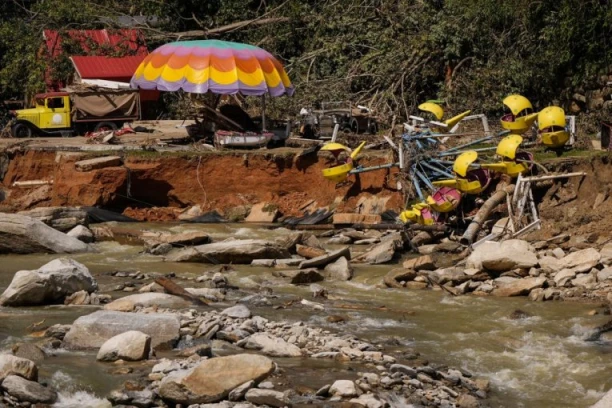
[303, 320]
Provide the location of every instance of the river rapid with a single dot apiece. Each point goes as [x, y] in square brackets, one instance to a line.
[538, 361]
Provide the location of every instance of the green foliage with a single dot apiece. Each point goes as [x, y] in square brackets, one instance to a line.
[390, 55]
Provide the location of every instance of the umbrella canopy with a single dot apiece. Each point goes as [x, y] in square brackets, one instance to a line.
[220, 67]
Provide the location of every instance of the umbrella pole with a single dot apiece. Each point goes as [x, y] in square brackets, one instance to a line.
[263, 113]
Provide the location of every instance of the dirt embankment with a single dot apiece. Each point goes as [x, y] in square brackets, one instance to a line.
[579, 205]
[214, 181]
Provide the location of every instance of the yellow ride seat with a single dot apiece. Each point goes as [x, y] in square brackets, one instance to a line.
[551, 127]
[521, 117]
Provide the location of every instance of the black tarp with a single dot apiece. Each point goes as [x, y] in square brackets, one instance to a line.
[317, 217]
[95, 215]
[212, 217]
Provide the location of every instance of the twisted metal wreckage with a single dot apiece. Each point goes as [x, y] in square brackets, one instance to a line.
[446, 183]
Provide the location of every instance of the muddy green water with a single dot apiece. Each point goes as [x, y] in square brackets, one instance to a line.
[535, 362]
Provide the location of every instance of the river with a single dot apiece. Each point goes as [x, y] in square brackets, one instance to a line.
[539, 361]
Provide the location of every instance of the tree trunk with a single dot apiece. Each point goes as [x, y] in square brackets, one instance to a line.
[483, 214]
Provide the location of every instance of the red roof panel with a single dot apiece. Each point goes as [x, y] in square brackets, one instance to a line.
[93, 67]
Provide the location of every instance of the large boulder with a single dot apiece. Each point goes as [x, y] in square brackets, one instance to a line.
[25, 235]
[51, 283]
[212, 380]
[605, 401]
[131, 302]
[130, 346]
[582, 261]
[236, 251]
[61, 218]
[28, 391]
[271, 346]
[503, 256]
[12, 365]
[340, 270]
[91, 331]
[519, 287]
[383, 252]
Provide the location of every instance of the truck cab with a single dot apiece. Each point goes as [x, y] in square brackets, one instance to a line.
[51, 112]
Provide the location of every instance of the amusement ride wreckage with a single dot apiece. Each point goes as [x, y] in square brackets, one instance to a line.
[445, 184]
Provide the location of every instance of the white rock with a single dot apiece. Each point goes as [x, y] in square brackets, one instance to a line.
[582, 260]
[606, 254]
[343, 388]
[237, 312]
[131, 302]
[272, 346]
[91, 331]
[82, 233]
[564, 276]
[12, 365]
[213, 379]
[130, 346]
[368, 401]
[550, 264]
[502, 257]
[28, 391]
[340, 269]
[584, 279]
[604, 275]
[25, 235]
[51, 283]
[558, 253]
[267, 397]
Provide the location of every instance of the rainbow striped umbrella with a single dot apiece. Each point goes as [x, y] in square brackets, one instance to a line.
[220, 67]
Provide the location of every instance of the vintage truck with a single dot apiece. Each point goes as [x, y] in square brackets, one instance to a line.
[350, 119]
[76, 112]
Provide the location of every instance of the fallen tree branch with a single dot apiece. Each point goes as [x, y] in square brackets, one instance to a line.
[174, 289]
[483, 214]
[222, 29]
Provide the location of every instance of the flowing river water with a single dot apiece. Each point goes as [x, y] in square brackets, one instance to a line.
[539, 361]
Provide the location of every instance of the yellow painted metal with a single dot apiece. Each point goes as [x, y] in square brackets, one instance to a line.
[508, 146]
[432, 108]
[555, 139]
[56, 114]
[551, 123]
[520, 125]
[511, 168]
[456, 119]
[416, 214]
[49, 113]
[334, 146]
[463, 162]
[461, 184]
[550, 117]
[356, 152]
[338, 174]
[517, 104]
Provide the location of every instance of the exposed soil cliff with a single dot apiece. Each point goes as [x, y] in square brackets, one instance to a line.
[214, 181]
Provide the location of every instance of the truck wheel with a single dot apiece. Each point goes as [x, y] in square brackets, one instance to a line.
[21, 130]
[354, 126]
[104, 126]
[373, 128]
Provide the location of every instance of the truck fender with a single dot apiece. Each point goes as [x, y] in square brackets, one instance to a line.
[20, 122]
